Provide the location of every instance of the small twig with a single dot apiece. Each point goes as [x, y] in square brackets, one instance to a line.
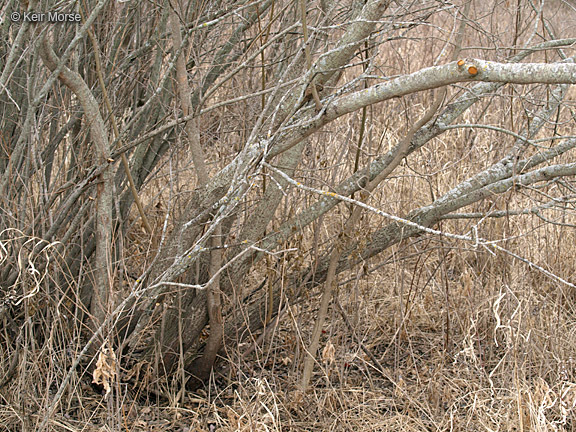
[308, 56]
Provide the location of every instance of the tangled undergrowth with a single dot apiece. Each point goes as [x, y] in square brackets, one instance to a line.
[429, 334]
[458, 341]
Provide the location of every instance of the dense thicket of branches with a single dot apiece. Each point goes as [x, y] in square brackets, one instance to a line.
[165, 166]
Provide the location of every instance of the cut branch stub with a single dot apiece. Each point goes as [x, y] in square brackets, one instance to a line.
[468, 66]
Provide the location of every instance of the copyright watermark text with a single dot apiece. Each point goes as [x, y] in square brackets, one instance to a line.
[49, 17]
